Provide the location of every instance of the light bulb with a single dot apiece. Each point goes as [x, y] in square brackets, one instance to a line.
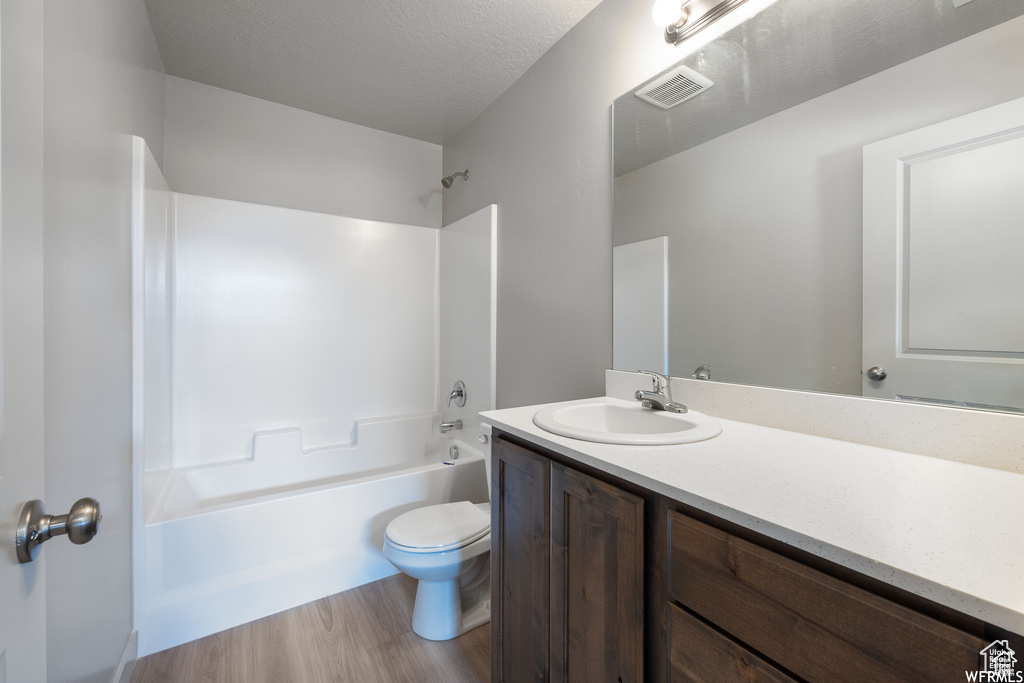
[666, 12]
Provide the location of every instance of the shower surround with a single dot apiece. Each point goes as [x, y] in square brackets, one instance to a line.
[291, 369]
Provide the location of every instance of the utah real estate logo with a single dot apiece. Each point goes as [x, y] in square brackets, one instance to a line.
[998, 664]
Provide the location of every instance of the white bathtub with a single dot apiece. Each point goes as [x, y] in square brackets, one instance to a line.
[247, 317]
[233, 542]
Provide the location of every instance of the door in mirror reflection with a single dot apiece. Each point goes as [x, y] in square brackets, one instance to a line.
[944, 261]
[640, 306]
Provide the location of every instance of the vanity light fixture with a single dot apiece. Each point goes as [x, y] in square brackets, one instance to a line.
[683, 20]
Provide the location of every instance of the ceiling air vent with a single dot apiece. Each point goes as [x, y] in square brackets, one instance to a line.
[678, 85]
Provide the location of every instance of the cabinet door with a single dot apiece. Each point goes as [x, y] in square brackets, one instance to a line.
[818, 627]
[699, 654]
[520, 558]
[597, 593]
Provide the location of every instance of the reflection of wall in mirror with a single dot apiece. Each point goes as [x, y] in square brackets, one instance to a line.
[765, 221]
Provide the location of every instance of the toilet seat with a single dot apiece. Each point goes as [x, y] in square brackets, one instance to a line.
[439, 528]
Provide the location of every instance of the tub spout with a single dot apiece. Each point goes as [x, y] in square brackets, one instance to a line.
[450, 426]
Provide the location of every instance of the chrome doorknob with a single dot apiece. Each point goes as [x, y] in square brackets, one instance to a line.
[35, 526]
[877, 373]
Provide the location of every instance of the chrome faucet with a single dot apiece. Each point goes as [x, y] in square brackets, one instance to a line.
[451, 426]
[457, 394]
[703, 372]
[661, 396]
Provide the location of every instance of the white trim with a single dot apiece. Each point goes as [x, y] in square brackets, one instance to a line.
[130, 656]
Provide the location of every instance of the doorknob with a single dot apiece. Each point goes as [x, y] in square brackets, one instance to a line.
[35, 526]
[877, 373]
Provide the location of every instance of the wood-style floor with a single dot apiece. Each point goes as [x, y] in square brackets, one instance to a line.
[360, 636]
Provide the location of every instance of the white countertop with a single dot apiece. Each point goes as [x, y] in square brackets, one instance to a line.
[944, 530]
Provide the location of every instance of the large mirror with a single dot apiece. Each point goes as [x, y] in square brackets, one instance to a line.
[841, 211]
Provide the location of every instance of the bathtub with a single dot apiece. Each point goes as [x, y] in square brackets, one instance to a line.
[228, 543]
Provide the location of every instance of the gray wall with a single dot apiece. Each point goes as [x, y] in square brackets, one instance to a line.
[542, 153]
[103, 80]
[230, 146]
[764, 223]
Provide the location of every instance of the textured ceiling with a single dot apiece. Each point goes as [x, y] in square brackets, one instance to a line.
[789, 53]
[419, 68]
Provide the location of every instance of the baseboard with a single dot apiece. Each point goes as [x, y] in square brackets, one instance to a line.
[125, 668]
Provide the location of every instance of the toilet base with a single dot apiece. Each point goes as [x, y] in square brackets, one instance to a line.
[446, 609]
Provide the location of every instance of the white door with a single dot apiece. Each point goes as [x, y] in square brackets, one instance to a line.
[22, 586]
[640, 306]
[944, 261]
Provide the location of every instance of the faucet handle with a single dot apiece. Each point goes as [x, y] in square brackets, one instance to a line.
[458, 393]
[703, 372]
[659, 379]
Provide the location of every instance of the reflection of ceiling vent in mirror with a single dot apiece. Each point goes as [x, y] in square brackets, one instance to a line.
[678, 85]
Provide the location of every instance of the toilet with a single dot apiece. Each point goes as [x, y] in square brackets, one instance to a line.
[446, 548]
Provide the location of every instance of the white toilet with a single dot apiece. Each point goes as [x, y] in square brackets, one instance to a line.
[447, 548]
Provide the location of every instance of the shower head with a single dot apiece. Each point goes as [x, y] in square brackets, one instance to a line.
[447, 182]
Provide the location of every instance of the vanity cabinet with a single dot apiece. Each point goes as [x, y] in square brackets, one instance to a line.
[597, 586]
[520, 565]
[567, 573]
[597, 579]
[814, 625]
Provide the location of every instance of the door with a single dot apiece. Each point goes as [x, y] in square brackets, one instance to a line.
[22, 586]
[943, 253]
[640, 306]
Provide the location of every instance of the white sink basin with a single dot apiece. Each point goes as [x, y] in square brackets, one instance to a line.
[613, 420]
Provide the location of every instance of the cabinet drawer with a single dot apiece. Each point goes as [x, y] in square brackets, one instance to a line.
[699, 654]
[814, 625]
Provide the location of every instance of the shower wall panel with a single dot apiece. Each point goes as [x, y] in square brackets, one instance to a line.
[469, 290]
[151, 306]
[287, 318]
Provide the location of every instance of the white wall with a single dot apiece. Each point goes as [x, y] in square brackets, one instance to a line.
[286, 318]
[223, 144]
[468, 294]
[542, 152]
[103, 81]
[765, 261]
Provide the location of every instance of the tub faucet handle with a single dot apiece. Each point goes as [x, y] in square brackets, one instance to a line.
[458, 394]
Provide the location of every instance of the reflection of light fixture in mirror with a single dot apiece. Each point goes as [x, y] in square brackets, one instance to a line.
[683, 20]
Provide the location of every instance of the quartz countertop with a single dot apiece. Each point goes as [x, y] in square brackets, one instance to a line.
[947, 531]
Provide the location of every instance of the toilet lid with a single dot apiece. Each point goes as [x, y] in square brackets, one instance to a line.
[439, 526]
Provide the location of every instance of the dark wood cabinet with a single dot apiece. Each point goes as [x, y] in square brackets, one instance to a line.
[597, 588]
[520, 564]
[567, 573]
[598, 580]
[814, 625]
[700, 654]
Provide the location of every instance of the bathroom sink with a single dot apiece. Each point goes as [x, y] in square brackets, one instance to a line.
[615, 421]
